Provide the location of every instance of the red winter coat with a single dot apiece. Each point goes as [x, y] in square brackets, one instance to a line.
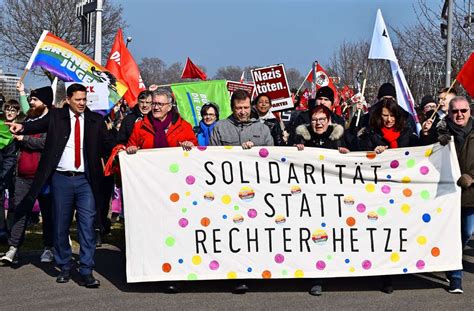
[143, 134]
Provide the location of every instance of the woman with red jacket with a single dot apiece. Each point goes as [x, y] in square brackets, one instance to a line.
[162, 127]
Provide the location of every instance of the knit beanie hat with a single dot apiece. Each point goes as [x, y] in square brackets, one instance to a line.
[426, 100]
[325, 91]
[45, 94]
[386, 89]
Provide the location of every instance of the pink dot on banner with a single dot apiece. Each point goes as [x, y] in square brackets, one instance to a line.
[361, 207]
[263, 152]
[214, 265]
[252, 213]
[366, 264]
[190, 180]
[320, 265]
[424, 170]
[394, 164]
[279, 258]
[201, 148]
[420, 264]
[386, 189]
[183, 222]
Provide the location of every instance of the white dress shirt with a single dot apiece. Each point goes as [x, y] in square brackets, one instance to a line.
[66, 163]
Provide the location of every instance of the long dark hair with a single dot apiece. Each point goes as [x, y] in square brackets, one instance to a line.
[376, 121]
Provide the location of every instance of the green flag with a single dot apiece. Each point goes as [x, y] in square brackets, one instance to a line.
[190, 97]
[5, 136]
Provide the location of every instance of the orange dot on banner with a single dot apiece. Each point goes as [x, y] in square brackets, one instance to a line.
[407, 192]
[266, 274]
[371, 155]
[174, 197]
[166, 267]
[205, 221]
[435, 252]
[350, 221]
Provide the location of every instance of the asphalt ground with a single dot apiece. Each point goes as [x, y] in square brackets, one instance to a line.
[31, 284]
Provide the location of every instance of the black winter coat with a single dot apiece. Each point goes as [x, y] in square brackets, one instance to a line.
[333, 138]
[127, 125]
[369, 138]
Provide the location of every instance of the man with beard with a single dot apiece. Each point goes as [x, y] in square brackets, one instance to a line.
[31, 146]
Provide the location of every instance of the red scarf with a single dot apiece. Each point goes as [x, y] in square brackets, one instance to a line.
[390, 135]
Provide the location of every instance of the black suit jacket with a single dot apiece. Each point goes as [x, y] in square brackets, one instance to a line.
[97, 141]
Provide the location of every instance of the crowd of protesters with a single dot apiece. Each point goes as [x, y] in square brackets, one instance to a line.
[53, 152]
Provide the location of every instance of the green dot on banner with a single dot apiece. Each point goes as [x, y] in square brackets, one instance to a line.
[170, 241]
[192, 277]
[184, 210]
[284, 272]
[425, 194]
[236, 207]
[382, 211]
[411, 163]
[174, 168]
[329, 257]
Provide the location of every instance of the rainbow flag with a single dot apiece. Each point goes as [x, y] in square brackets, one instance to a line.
[71, 65]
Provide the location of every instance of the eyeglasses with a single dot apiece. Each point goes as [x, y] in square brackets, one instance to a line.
[159, 105]
[319, 120]
[454, 111]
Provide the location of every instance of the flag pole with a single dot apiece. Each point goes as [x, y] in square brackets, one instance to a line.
[439, 104]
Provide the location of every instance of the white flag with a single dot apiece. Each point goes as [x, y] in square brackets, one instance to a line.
[242, 78]
[381, 48]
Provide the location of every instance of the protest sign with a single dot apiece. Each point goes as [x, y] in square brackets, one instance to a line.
[275, 212]
[272, 80]
[232, 86]
[71, 65]
[97, 95]
[190, 97]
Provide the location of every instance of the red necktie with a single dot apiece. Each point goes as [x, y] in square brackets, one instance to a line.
[77, 142]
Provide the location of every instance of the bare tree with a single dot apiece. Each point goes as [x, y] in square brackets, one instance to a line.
[23, 21]
[152, 70]
[294, 77]
[232, 73]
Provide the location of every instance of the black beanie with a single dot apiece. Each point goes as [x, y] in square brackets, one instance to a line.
[386, 89]
[426, 100]
[325, 91]
[45, 94]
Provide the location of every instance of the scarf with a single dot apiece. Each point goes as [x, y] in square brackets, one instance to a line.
[205, 132]
[460, 133]
[391, 136]
[160, 127]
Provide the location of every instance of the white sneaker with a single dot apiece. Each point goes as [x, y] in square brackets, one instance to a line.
[10, 256]
[47, 255]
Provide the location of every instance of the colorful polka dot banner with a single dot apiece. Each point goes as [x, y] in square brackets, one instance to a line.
[269, 212]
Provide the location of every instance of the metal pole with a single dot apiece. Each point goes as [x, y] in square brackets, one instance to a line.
[98, 33]
[449, 43]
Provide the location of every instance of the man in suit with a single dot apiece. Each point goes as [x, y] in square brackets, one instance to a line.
[77, 138]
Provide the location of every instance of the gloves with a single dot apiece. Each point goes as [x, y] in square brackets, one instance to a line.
[444, 139]
[465, 181]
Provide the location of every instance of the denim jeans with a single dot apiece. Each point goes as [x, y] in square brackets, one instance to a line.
[467, 229]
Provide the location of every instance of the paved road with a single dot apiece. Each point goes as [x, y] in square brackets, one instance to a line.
[32, 285]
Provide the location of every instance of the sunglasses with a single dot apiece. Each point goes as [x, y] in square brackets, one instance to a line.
[454, 111]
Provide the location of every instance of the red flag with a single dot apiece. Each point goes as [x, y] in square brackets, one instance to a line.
[304, 100]
[322, 79]
[192, 71]
[346, 93]
[123, 66]
[466, 76]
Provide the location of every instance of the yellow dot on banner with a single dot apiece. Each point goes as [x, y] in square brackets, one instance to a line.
[405, 208]
[421, 240]
[428, 152]
[232, 275]
[299, 273]
[196, 260]
[406, 180]
[321, 157]
[228, 147]
[226, 199]
[439, 210]
[370, 188]
[186, 154]
[352, 269]
[395, 257]
[187, 193]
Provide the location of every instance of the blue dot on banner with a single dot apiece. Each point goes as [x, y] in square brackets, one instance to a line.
[195, 203]
[224, 216]
[405, 270]
[323, 224]
[426, 217]
[392, 201]
[180, 260]
[283, 159]
[389, 176]
[249, 269]
[407, 152]
[347, 260]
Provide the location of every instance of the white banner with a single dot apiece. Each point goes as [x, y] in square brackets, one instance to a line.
[275, 212]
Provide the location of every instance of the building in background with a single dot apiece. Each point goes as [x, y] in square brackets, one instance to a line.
[8, 85]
